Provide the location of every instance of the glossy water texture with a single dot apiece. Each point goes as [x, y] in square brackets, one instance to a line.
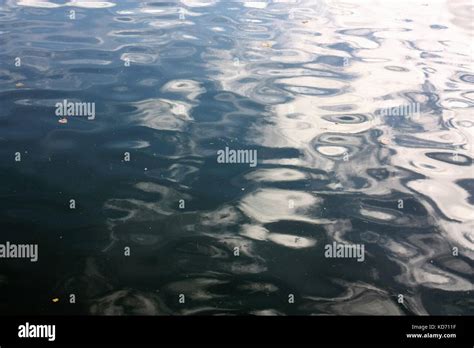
[301, 82]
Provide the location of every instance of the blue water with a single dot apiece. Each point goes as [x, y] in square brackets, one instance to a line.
[320, 90]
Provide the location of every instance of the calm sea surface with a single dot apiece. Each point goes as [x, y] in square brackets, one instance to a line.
[360, 115]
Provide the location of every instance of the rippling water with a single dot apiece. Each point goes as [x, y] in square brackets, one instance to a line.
[307, 84]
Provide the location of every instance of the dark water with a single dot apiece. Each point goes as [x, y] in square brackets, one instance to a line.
[308, 85]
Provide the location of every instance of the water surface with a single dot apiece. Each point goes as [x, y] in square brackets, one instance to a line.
[307, 84]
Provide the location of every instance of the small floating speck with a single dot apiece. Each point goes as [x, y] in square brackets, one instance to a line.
[55, 300]
[62, 120]
[19, 84]
[384, 140]
[267, 44]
